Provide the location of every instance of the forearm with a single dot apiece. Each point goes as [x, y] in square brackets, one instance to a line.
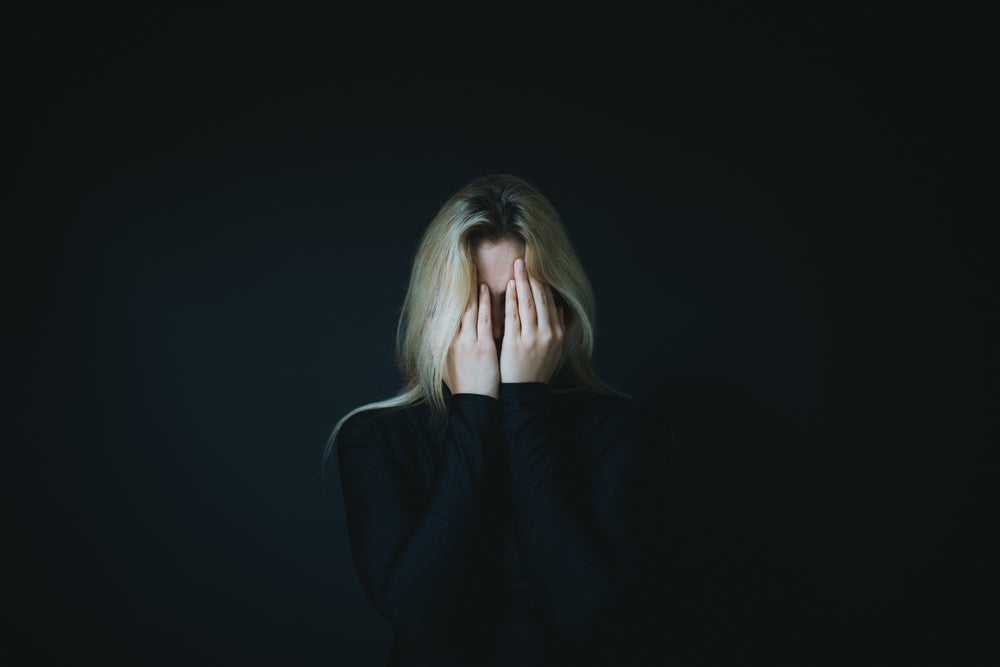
[418, 552]
[440, 566]
[566, 557]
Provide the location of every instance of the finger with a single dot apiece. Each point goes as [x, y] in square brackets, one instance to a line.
[485, 316]
[469, 316]
[543, 304]
[512, 322]
[525, 300]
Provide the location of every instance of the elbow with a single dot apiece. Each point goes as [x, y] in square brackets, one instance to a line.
[428, 621]
[407, 615]
[586, 620]
[420, 630]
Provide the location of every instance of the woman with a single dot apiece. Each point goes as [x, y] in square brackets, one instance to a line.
[506, 507]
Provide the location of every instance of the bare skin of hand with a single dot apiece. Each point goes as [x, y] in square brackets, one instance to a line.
[533, 330]
[472, 366]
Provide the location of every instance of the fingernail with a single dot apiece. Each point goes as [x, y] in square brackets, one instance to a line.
[519, 264]
[482, 288]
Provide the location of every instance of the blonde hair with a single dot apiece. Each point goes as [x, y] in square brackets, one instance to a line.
[495, 207]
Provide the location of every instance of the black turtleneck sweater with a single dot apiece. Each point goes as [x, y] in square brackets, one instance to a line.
[529, 530]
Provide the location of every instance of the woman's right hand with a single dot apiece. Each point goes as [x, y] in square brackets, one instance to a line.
[473, 366]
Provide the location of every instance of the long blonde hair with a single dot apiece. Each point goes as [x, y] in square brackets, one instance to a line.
[494, 207]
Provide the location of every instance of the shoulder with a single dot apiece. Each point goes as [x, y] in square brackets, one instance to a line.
[608, 421]
[404, 434]
[380, 427]
[363, 422]
[611, 410]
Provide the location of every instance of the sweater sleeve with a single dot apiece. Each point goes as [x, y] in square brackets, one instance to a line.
[417, 553]
[592, 555]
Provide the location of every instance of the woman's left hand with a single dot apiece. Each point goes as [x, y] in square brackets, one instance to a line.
[533, 330]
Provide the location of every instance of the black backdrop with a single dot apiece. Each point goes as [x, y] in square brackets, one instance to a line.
[784, 213]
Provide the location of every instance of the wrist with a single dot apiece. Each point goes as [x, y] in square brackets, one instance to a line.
[525, 390]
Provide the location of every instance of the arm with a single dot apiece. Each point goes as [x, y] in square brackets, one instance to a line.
[592, 561]
[418, 559]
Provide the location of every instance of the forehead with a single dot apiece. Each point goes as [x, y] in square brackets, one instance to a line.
[487, 252]
[495, 261]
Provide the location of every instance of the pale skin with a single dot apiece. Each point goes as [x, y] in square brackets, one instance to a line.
[511, 330]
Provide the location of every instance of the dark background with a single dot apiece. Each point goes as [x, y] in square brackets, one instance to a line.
[784, 213]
